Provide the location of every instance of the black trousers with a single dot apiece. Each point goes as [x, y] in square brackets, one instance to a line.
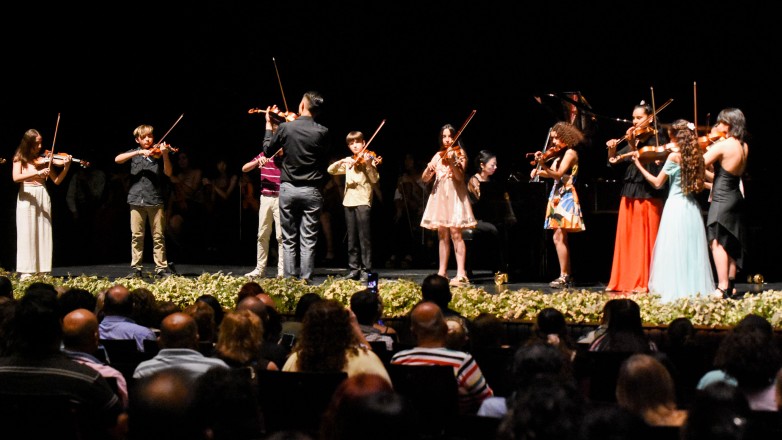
[357, 222]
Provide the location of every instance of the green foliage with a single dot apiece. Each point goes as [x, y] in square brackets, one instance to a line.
[400, 295]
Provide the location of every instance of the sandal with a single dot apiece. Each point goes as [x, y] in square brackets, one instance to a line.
[459, 281]
[563, 282]
[719, 293]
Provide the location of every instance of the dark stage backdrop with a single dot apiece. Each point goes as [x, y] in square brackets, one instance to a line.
[418, 65]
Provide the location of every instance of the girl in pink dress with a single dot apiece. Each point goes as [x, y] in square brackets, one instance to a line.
[448, 209]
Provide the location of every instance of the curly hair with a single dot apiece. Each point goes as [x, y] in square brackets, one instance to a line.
[568, 133]
[693, 167]
[326, 337]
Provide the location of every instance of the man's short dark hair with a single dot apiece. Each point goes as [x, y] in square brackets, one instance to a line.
[366, 306]
[435, 288]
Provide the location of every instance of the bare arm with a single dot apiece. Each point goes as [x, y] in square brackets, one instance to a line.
[657, 181]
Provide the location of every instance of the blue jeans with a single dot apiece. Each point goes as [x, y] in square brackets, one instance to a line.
[300, 208]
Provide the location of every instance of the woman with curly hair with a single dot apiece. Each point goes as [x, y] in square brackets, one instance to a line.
[331, 340]
[680, 259]
[563, 213]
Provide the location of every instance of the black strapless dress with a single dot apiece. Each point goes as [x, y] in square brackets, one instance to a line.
[725, 222]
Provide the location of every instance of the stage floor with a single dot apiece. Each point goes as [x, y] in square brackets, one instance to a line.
[481, 278]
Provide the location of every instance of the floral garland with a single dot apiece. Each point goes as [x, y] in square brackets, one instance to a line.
[400, 295]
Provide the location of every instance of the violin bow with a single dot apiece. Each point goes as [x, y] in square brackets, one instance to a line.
[654, 112]
[279, 81]
[383, 122]
[459, 133]
[169, 130]
[545, 147]
[695, 108]
[54, 139]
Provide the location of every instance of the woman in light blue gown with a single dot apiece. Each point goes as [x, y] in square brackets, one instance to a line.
[680, 260]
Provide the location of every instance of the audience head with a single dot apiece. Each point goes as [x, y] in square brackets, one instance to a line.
[214, 303]
[326, 337]
[165, 308]
[435, 288]
[644, 384]
[76, 298]
[366, 305]
[250, 288]
[750, 354]
[160, 407]
[458, 336]
[681, 332]
[7, 311]
[625, 328]
[80, 331]
[118, 302]
[611, 422]
[6, 287]
[268, 300]
[548, 409]
[144, 307]
[719, 412]
[36, 327]
[226, 405]
[428, 324]
[487, 331]
[345, 397]
[240, 337]
[534, 361]
[203, 314]
[178, 330]
[304, 304]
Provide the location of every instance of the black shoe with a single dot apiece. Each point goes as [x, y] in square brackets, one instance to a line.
[352, 275]
[135, 273]
[163, 273]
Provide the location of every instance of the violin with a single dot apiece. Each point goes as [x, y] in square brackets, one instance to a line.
[278, 115]
[550, 153]
[649, 153]
[367, 155]
[47, 156]
[705, 142]
[157, 153]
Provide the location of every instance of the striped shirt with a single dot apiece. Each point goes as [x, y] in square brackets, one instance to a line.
[270, 178]
[472, 386]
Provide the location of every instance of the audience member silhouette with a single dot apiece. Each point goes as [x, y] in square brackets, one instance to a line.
[239, 342]
[226, 406]
[76, 298]
[37, 367]
[548, 409]
[292, 327]
[6, 287]
[340, 414]
[161, 408]
[178, 349]
[624, 332]
[367, 306]
[117, 322]
[749, 357]
[531, 362]
[646, 388]
[719, 412]
[430, 330]
[80, 344]
[550, 327]
[270, 349]
[204, 316]
[214, 303]
[331, 340]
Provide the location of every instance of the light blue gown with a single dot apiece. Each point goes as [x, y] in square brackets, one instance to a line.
[680, 259]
